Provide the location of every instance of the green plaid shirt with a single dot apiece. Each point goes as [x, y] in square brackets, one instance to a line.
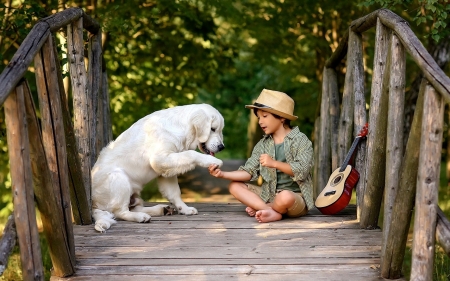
[299, 154]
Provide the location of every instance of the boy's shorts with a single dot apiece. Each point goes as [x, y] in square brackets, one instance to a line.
[297, 210]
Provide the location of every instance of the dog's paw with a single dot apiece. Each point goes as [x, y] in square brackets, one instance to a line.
[188, 211]
[212, 161]
[169, 210]
[142, 217]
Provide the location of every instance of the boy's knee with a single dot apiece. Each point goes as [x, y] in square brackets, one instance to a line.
[233, 186]
[285, 198]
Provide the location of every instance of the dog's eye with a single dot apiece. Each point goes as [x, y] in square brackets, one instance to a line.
[213, 129]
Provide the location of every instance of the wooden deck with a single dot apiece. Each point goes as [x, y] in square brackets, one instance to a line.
[223, 243]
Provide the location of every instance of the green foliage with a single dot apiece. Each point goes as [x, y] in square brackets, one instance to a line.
[429, 13]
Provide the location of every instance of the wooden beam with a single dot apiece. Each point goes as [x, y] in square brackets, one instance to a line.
[22, 186]
[81, 100]
[424, 236]
[376, 141]
[394, 145]
[46, 198]
[53, 133]
[80, 205]
[324, 161]
[7, 243]
[334, 113]
[359, 115]
[443, 231]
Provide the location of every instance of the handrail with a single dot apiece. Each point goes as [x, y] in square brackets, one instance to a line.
[23, 57]
[393, 37]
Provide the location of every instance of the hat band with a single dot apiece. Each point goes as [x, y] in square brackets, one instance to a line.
[261, 105]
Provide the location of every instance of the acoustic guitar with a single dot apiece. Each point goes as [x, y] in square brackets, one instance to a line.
[338, 192]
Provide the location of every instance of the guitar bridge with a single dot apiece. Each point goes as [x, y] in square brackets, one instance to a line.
[330, 193]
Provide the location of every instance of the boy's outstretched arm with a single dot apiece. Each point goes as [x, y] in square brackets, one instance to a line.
[215, 171]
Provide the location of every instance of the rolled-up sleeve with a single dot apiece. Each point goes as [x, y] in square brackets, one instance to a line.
[252, 165]
[303, 155]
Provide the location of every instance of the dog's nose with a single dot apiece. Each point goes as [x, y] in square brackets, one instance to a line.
[220, 147]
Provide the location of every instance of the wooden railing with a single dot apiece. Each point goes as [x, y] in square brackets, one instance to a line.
[51, 158]
[386, 171]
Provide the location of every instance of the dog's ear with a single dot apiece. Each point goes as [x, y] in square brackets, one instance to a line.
[202, 125]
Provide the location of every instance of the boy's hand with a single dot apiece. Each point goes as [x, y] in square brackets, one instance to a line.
[267, 161]
[215, 171]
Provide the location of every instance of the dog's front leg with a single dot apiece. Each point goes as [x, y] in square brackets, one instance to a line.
[170, 189]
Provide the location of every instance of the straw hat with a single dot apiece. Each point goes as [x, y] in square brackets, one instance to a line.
[275, 102]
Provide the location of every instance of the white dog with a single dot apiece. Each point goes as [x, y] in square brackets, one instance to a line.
[160, 145]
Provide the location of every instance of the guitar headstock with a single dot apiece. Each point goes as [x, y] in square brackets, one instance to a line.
[364, 131]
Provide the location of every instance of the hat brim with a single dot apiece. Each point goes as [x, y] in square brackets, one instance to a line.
[274, 111]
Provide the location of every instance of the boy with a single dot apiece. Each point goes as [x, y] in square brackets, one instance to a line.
[284, 159]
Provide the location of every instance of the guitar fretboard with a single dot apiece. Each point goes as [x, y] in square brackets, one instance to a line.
[349, 154]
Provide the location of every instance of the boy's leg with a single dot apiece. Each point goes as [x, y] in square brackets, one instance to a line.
[247, 196]
[283, 202]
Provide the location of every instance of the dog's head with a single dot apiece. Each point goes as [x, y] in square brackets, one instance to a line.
[208, 124]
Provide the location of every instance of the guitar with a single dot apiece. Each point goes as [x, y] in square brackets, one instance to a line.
[338, 192]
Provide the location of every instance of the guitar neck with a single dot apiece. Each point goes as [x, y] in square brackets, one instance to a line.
[349, 154]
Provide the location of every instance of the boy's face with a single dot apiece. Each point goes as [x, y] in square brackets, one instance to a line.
[269, 123]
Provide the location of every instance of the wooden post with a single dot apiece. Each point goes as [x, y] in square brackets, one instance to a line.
[334, 116]
[7, 243]
[324, 161]
[427, 186]
[80, 203]
[443, 231]
[53, 132]
[376, 142]
[394, 140]
[359, 115]
[47, 197]
[22, 186]
[81, 100]
[316, 140]
[346, 119]
[94, 90]
[107, 127]
[394, 253]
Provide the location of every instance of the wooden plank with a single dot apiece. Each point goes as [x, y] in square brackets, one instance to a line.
[211, 262]
[222, 241]
[424, 236]
[22, 186]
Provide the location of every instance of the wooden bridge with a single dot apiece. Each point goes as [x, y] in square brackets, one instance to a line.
[223, 243]
[51, 157]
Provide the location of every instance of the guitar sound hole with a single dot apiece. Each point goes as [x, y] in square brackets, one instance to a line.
[337, 179]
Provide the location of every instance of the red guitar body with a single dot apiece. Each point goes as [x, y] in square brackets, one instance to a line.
[338, 192]
[333, 207]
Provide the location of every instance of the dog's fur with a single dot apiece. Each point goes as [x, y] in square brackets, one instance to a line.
[160, 145]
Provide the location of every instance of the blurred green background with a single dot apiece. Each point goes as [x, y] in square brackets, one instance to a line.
[161, 54]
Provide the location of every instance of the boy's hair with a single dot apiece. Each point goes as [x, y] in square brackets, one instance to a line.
[286, 121]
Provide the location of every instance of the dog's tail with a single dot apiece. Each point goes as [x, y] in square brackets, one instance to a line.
[103, 220]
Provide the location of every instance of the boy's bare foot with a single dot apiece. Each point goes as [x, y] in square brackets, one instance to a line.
[267, 215]
[250, 211]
